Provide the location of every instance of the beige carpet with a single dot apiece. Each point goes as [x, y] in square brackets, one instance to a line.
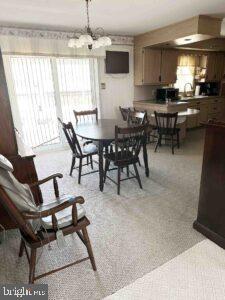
[198, 273]
[131, 234]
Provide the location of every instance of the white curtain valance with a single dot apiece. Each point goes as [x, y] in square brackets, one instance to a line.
[50, 47]
[46, 42]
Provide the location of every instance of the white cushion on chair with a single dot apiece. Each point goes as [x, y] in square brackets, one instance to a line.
[19, 193]
[90, 148]
[64, 217]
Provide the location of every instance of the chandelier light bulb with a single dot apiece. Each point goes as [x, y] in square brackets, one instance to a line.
[71, 43]
[105, 41]
[96, 45]
[86, 39]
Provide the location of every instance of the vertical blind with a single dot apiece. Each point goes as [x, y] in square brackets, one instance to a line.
[46, 87]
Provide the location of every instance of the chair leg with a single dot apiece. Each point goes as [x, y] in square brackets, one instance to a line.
[72, 165]
[32, 265]
[137, 175]
[22, 246]
[178, 140]
[80, 170]
[118, 180]
[107, 164]
[139, 162]
[87, 160]
[128, 171]
[172, 144]
[89, 248]
[91, 162]
[157, 143]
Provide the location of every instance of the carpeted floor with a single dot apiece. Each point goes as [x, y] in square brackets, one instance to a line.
[198, 273]
[131, 234]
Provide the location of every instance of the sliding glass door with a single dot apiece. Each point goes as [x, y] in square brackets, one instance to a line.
[45, 88]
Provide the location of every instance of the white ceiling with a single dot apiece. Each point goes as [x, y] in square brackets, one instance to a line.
[128, 17]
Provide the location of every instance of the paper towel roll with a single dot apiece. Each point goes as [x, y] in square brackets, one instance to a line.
[197, 90]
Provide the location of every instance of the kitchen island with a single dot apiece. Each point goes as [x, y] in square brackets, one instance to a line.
[176, 106]
[153, 105]
[210, 107]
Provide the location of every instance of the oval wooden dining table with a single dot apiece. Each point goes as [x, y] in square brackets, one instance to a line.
[103, 132]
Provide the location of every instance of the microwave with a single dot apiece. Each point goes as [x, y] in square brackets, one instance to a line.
[162, 94]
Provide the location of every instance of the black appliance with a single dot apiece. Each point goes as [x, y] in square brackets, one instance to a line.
[163, 94]
[209, 88]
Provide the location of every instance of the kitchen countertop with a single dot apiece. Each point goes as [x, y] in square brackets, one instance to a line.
[198, 98]
[154, 101]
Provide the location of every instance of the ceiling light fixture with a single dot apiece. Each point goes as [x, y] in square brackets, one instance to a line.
[88, 38]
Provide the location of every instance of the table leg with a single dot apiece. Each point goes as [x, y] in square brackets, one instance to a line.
[101, 169]
[145, 157]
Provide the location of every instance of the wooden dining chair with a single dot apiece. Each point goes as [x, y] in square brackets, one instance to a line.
[128, 144]
[21, 208]
[124, 112]
[137, 117]
[86, 116]
[77, 152]
[166, 124]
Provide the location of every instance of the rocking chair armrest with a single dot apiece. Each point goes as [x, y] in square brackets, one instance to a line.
[32, 215]
[54, 176]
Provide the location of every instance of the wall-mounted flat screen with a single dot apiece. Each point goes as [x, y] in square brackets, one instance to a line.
[117, 62]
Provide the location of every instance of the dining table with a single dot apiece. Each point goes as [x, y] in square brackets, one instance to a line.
[102, 133]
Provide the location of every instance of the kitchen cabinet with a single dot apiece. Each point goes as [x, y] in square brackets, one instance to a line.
[169, 66]
[209, 108]
[192, 121]
[151, 66]
[215, 66]
[155, 66]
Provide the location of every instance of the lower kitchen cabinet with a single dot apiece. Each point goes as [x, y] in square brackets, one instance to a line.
[208, 109]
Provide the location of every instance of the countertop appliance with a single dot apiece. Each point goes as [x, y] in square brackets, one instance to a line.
[162, 94]
[209, 88]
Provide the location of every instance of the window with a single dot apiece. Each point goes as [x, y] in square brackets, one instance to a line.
[45, 88]
[185, 71]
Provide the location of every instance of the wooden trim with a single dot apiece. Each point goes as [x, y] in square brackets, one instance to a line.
[198, 25]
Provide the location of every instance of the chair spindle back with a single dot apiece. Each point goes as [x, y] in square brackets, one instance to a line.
[124, 112]
[87, 116]
[71, 137]
[137, 117]
[166, 122]
[128, 142]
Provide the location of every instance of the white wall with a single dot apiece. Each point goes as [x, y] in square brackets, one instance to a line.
[119, 87]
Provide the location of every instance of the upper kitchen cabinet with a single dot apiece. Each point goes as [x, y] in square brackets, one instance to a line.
[215, 66]
[151, 66]
[169, 66]
[155, 66]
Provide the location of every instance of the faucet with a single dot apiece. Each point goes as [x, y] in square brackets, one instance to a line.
[185, 92]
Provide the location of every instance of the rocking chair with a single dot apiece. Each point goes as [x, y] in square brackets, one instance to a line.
[65, 213]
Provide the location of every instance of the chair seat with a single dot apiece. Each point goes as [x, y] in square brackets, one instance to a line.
[120, 160]
[64, 217]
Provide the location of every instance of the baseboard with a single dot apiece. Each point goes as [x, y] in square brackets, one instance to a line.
[213, 236]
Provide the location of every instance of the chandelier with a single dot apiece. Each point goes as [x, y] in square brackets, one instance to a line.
[88, 38]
